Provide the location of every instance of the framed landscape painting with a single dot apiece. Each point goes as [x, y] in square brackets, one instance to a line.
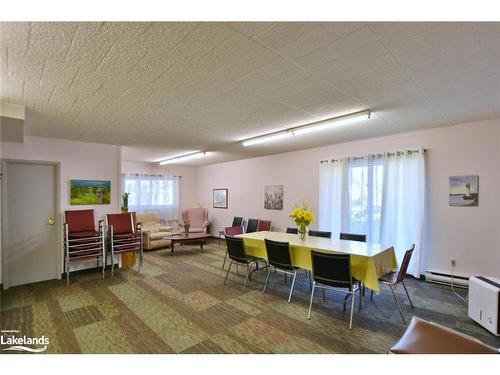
[85, 192]
[220, 198]
[464, 191]
[273, 197]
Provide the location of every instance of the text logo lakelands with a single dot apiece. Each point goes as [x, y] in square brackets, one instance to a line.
[22, 343]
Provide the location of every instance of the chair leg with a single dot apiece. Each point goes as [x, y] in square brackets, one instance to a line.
[408, 295]
[103, 266]
[291, 289]
[352, 309]
[67, 273]
[267, 278]
[225, 257]
[310, 282]
[371, 295]
[361, 294]
[397, 303]
[311, 301]
[227, 273]
[246, 278]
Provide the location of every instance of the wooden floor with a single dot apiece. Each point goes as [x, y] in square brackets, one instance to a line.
[179, 305]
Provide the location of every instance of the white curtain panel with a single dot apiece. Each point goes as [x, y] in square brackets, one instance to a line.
[153, 193]
[403, 205]
[331, 178]
[381, 196]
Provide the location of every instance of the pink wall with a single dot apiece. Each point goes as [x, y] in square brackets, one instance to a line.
[471, 235]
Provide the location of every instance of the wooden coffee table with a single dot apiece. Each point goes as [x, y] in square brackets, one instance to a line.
[181, 238]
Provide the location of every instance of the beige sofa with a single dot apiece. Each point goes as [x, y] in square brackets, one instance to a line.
[153, 230]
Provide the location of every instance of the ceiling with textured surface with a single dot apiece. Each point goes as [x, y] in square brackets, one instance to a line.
[163, 89]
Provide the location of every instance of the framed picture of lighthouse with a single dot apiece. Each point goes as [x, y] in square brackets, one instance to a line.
[464, 191]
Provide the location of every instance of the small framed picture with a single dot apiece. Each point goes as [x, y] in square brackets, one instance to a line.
[220, 198]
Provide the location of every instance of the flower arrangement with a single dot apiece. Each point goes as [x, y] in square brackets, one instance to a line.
[303, 217]
[125, 202]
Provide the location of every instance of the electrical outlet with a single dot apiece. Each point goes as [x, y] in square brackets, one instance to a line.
[453, 262]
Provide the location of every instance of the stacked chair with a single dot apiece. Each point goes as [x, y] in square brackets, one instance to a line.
[83, 242]
[124, 236]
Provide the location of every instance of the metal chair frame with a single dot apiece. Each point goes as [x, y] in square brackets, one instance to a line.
[73, 246]
[285, 272]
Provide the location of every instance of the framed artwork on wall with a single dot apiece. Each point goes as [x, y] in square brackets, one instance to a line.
[88, 192]
[273, 197]
[464, 191]
[220, 198]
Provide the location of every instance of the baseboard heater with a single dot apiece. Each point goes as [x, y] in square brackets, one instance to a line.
[443, 278]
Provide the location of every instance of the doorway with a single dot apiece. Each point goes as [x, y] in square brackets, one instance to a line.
[30, 236]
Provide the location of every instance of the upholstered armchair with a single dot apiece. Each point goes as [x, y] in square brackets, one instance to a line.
[198, 219]
[153, 231]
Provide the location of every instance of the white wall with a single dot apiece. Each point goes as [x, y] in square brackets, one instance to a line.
[78, 160]
[469, 234]
[187, 182]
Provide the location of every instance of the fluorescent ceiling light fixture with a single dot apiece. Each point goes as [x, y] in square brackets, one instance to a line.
[309, 128]
[180, 159]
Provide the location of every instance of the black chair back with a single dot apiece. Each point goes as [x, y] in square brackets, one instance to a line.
[292, 230]
[237, 221]
[278, 254]
[319, 233]
[332, 269]
[404, 264]
[253, 225]
[353, 237]
[236, 249]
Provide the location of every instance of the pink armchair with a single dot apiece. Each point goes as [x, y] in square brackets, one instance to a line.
[198, 218]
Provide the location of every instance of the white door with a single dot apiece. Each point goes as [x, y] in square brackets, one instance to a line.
[30, 247]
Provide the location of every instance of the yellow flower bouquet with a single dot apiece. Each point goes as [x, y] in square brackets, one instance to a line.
[303, 217]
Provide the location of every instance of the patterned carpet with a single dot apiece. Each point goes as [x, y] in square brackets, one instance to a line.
[179, 305]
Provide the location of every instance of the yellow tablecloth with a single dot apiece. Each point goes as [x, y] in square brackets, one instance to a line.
[369, 261]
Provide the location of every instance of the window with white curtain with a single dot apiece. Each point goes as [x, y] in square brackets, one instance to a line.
[153, 193]
[381, 196]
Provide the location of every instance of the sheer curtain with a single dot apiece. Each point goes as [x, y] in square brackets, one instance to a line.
[153, 193]
[381, 196]
[403, 205]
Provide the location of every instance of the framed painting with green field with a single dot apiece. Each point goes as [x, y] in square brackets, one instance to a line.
[88, 192]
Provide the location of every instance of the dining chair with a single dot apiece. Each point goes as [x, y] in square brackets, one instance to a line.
[333, 271]
[393, 279]
[82, 241]
[264, 225]
[292, 230]
[252, 226]
[124, 236]
[230, 232]
[279, 256]
[237, 254]
[353, 237]
[237, 220]
[319, 233]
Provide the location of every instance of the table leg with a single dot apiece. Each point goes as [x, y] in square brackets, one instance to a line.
[172, 248]
[201, 245]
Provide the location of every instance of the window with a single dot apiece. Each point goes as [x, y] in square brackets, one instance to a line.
[153, 193]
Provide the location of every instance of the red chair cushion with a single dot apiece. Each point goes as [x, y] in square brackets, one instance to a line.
[80, 221]
[86, 234]
[233, 231]
[264, 225]
[122, 223]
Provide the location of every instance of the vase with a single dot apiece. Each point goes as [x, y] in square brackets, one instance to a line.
[302, 232]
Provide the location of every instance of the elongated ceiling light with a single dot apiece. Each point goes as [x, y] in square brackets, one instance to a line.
[179, 159]
[309, 128]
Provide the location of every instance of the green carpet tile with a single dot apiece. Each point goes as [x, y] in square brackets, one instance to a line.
[178, 304]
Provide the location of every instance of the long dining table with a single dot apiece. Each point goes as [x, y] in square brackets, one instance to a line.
[369, 260]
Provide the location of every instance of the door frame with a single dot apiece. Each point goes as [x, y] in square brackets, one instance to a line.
[58, 253]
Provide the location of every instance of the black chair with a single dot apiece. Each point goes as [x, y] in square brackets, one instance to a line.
[237, 254]
[237, 221]
[353, 237]
[279, 256]
[392, 280]
[252, 226]
[333, 271]
[292, 230]
[319, 233]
